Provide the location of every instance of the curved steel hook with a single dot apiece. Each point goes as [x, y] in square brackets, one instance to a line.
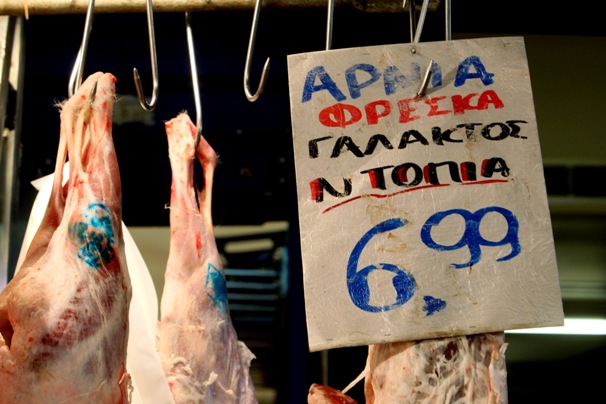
[154, 62]
[251, 44]
[75, 78]
[194, 78]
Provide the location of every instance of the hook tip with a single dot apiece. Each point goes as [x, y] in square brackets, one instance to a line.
[264, 73]
[148, 106]
[93, 94]
[198, 136]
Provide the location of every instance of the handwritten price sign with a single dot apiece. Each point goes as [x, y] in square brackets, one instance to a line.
[421, 216]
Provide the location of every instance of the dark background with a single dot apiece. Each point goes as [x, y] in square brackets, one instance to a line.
[254, 181]
[252, 139]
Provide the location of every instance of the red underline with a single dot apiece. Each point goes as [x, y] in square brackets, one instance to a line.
[407, 190]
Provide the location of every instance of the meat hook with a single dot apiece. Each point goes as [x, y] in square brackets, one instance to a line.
[412, 17]
[425, 82]
[154, 62]
[419, 27]
[447, 22]
[194, 77]
[92, 95]
[329, 18]
[415, 39]
[251, 44]
[75, 78]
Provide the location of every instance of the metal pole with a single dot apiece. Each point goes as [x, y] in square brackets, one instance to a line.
[11, 78]
[34, 7]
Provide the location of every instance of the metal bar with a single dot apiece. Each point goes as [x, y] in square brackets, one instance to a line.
[270, 273]
[448, 20]
[7, 28]
[255, 297]
[40, 7]
[231, 285]
[329, 20]
[248, 307]
[421, 22]
[16, 78]
[11, 60]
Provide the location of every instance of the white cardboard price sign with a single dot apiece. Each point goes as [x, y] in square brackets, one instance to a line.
[420, 217]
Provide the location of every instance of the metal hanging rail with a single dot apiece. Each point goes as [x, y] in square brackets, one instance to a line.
[12, 56]
[39, 7]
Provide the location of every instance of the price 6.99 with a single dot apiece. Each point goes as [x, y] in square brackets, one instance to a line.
[403, 281]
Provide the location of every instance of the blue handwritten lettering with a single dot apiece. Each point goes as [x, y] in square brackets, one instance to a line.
[352, 79]
[94, 236]
[357, 280]
[392, 78]
[433, 305]
[471, 236]
[327, 83]
[218, 287]
[463, 72]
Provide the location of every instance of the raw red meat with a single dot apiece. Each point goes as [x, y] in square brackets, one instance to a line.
[320, 394]
[203, 360]
[64, 316]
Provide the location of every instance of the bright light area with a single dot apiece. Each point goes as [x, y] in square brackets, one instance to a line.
[572, 326]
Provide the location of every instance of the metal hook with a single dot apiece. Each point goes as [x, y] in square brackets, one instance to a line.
[421, 22]
[194, 78]
[447, 22]
[412, 17]
[425, 82]
[251, 44]
[92, 95]
[154, 62]
[331, 7]
[447, 12]
[415, 39]
[75, 78]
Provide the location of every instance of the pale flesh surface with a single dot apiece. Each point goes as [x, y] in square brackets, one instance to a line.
[64, 316]
[465, 369]
[202, 358]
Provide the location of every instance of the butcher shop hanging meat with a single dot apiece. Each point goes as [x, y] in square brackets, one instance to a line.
[64, 316]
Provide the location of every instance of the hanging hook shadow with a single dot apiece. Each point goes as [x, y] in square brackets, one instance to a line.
[75, 78]
[154, 62]
[194, 77]
[251, 44]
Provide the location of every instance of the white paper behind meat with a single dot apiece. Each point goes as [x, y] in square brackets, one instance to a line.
[142, 362]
